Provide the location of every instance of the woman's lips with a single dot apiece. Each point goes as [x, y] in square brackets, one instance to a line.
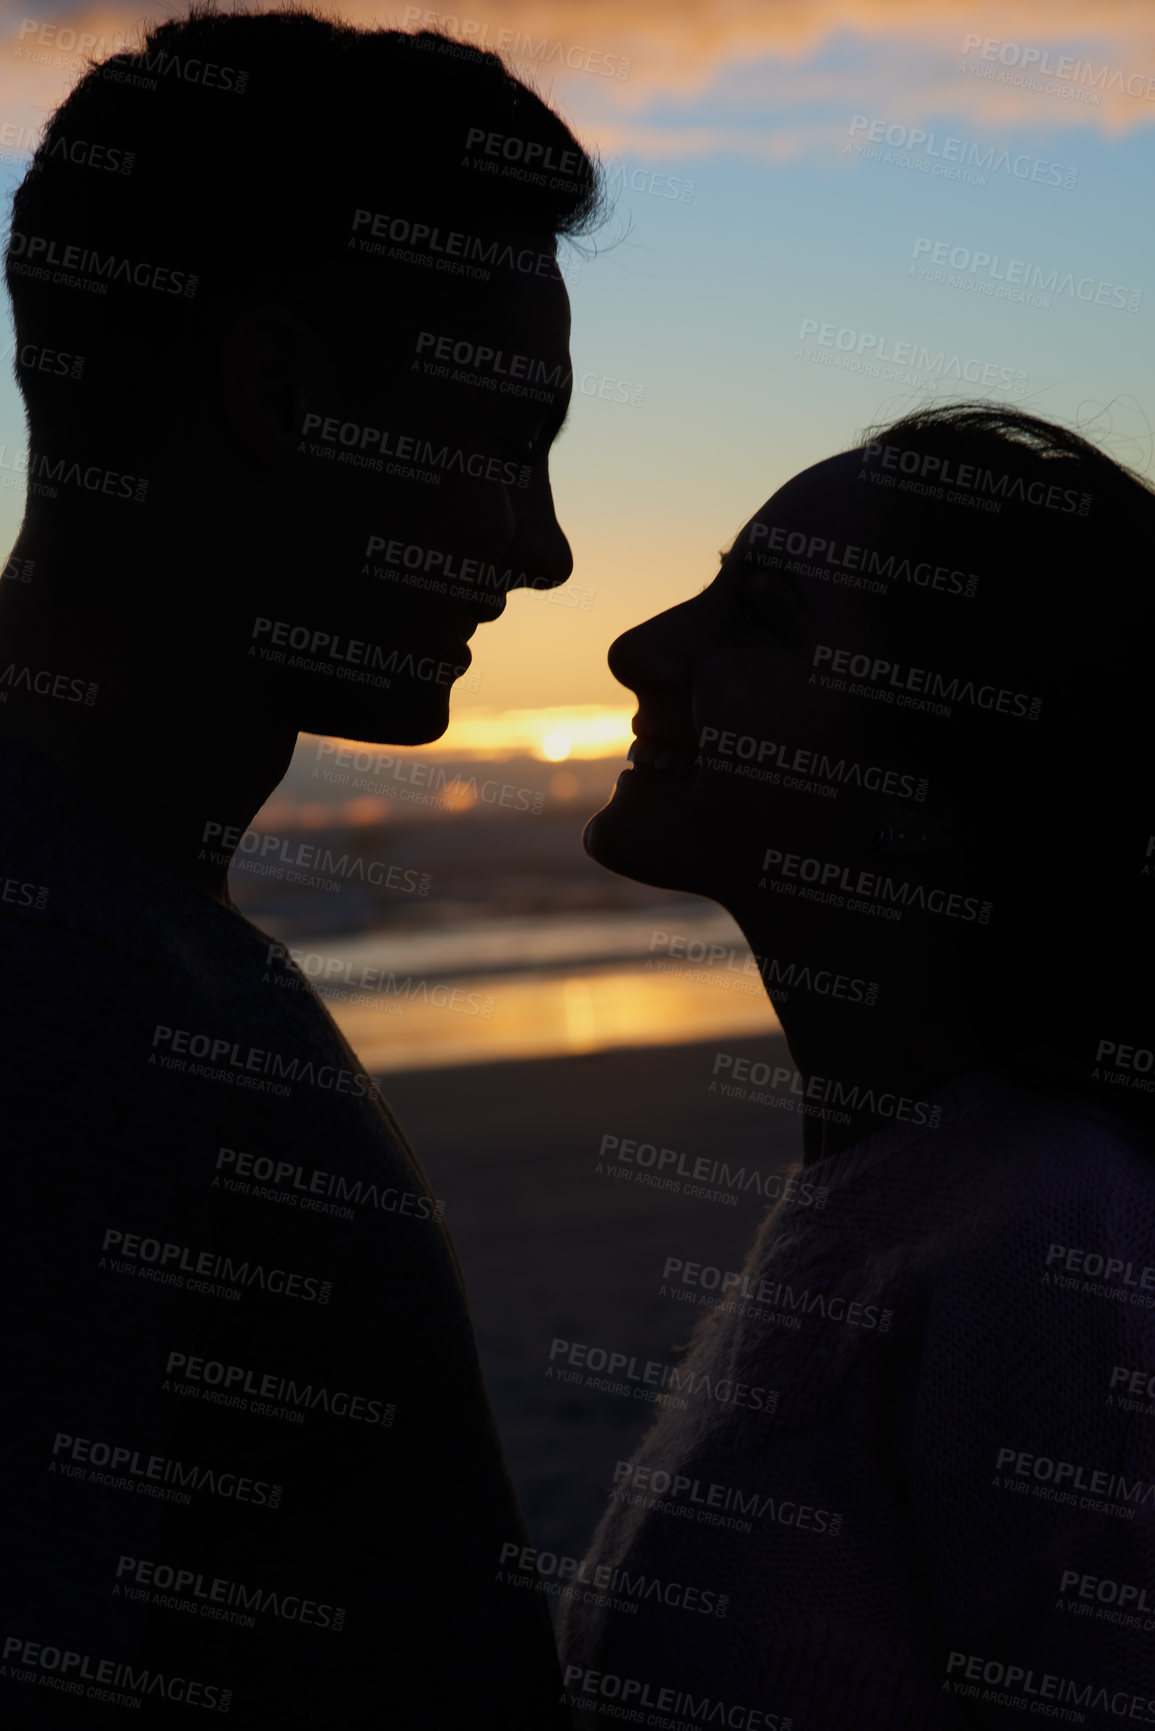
[679, 763]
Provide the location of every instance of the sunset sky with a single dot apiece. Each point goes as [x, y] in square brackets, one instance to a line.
[758, 116]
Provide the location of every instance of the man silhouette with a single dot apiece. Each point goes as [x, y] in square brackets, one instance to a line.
[293, 344]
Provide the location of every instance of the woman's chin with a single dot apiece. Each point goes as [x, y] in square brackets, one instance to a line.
[645, 838]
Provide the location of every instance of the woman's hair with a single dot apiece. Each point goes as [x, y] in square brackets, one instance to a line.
[1044, 653]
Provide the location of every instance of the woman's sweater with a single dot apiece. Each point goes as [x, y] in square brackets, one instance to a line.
[941, 1510]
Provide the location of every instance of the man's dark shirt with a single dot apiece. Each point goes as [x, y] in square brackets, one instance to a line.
[248, 1447]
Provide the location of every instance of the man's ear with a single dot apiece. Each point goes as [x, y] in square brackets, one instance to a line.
[269, 364]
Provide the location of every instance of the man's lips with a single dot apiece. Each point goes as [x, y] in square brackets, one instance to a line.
[467, 623]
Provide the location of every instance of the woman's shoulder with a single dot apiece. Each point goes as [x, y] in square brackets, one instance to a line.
[1013, 1191]
[1031, 1155]
[1039, 1226]
[989, 1145]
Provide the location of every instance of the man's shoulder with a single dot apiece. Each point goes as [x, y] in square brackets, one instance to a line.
[186, 1020]
[58, 968]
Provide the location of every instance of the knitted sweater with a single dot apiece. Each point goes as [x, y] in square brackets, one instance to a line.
[249, 1461]
[910, 1483]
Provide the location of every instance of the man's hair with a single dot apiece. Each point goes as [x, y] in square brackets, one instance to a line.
[233, 153]
[1058, 808]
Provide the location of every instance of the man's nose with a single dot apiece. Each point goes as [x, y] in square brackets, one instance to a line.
[541, 555]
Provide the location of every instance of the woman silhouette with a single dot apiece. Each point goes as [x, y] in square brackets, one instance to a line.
[902, 736]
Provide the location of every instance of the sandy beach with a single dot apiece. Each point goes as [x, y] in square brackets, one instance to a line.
[553, 1249]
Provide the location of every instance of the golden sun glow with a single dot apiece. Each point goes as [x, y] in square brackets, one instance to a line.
[583, 730]
[556, 746]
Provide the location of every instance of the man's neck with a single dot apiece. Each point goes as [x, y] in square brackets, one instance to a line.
[176, 758]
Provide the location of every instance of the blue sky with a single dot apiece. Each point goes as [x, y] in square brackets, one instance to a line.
[701, 304]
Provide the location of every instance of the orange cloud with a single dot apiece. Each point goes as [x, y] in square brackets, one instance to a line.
[763, 60]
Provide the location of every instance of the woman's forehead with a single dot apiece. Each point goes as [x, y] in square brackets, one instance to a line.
[828, 496]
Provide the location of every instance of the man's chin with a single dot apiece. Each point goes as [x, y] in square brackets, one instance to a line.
[378, 721]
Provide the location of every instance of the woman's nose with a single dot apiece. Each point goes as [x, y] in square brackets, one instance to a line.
[657, 652]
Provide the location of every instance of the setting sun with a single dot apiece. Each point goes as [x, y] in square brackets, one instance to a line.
[556, 745]
[580, 730]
